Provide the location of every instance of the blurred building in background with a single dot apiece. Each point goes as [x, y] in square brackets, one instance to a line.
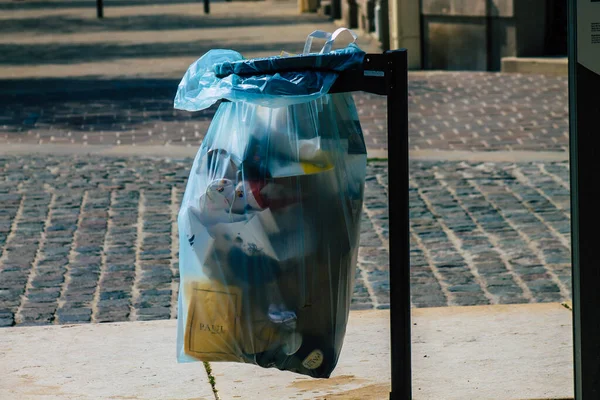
[456, 34]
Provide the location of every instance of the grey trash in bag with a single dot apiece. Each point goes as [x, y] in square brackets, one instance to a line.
[270, 221]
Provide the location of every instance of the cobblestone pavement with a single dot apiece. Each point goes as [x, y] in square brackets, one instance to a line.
[448, 111]
[95, 238]
[477, 112]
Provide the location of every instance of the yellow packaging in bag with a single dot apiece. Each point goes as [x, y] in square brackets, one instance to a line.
[213, 321]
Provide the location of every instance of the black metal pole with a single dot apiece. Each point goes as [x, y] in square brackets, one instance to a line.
[489, 36]
[206, 6]
[584, 108]
[399, 233]
[99, 9]
[336, 9]
[385, 24]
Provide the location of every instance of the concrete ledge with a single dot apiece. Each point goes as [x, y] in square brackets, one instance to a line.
[556, 66]
[484, 352]
[177, 151]
[493, 352]
[168, 151]
[509, 352]
[131, 360]
[489, 156]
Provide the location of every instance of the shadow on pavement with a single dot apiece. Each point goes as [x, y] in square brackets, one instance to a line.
[69, 24]
[90, 104]
[72, 53]
[36, 5]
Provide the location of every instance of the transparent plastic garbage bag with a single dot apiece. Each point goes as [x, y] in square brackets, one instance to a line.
[269, 230]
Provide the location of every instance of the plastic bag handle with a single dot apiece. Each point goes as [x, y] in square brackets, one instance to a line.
[329, 43]
[318, 35]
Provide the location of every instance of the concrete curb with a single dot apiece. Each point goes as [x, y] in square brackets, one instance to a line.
[173, 151]
[556, 66]
[508, 352]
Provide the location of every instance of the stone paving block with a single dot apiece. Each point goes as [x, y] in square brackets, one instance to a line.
[74, 315]
[43, 295]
